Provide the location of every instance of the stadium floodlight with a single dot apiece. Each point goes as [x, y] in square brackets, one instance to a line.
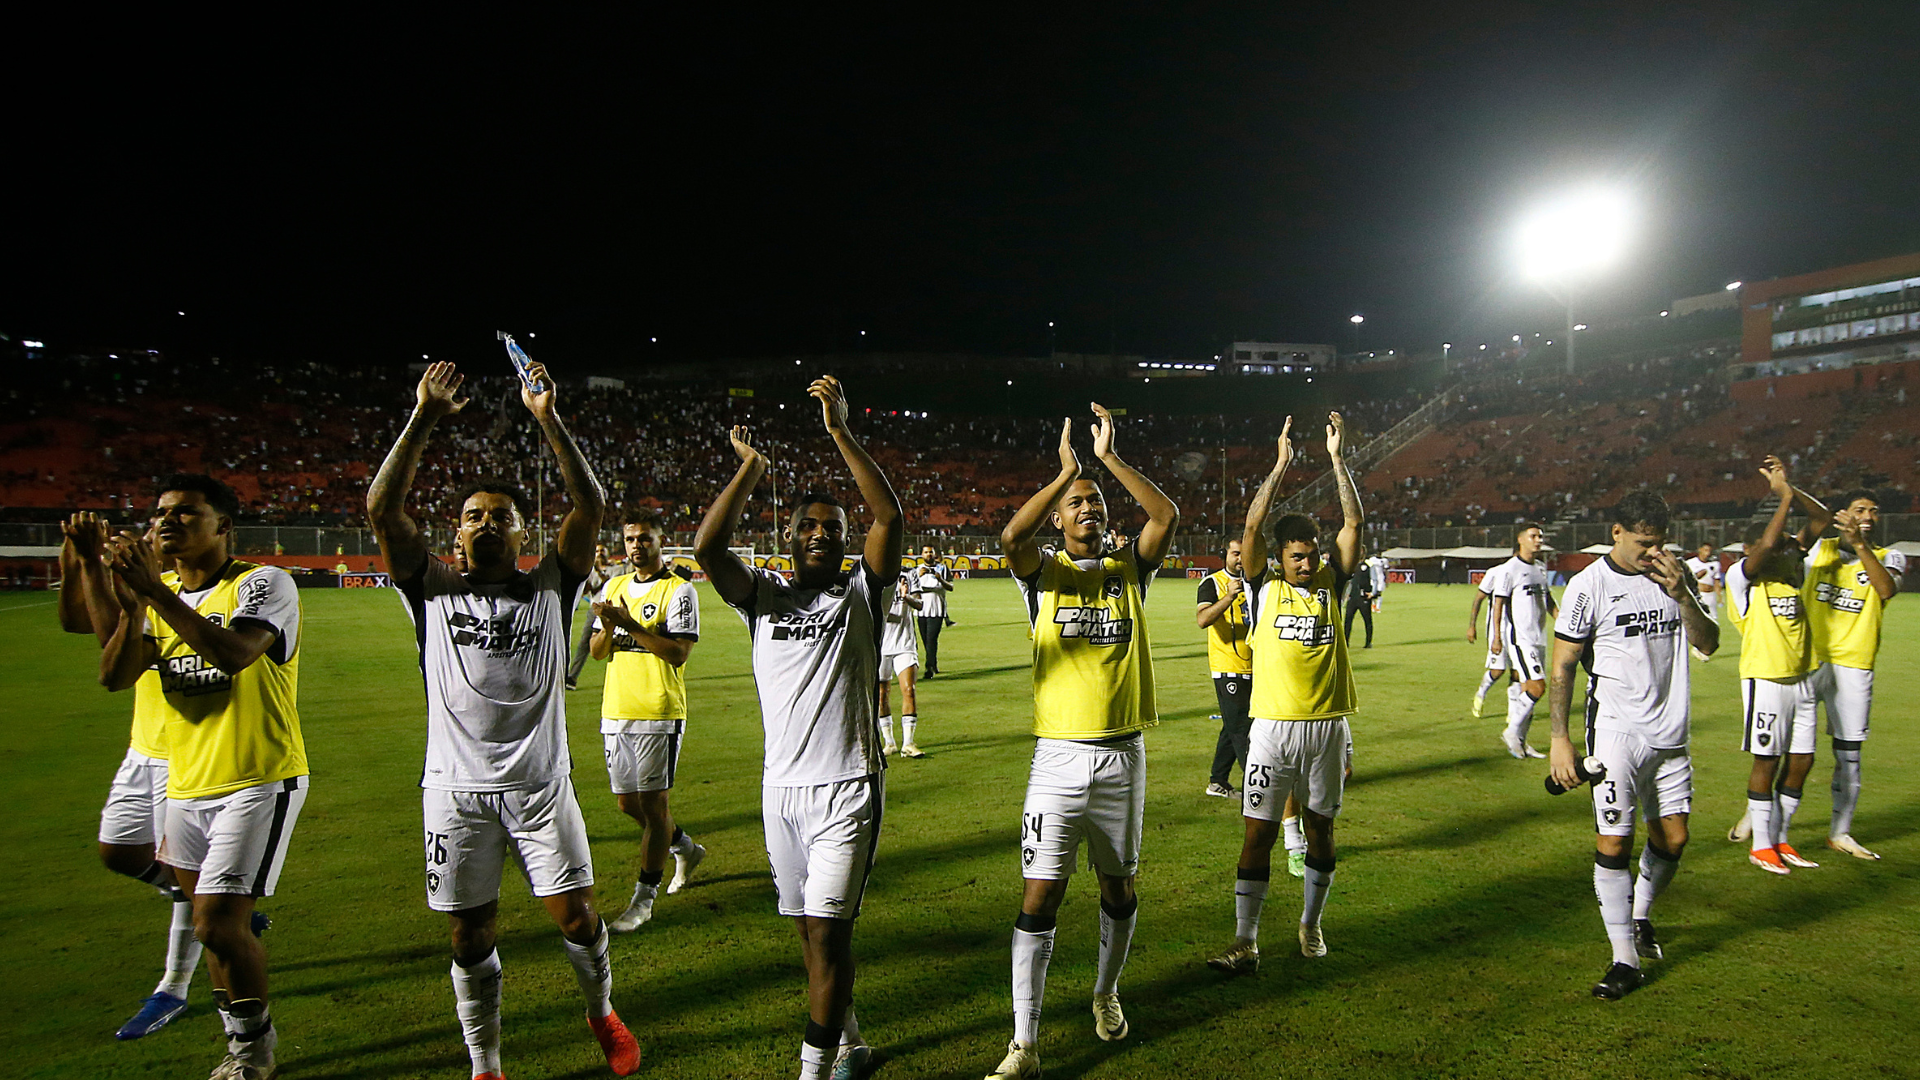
[1579, 326]
[1734, 286]
[1566, 241]
[1664, 314]
[1357, 319]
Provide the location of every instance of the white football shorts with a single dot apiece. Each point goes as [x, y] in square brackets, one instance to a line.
[1091, 790]
[1847, 692]
[1307, 759]
[899, 649]
[236, 842]
[1641, 779]
[821, 841]
[136, 810]
[1778, 716]
[469, 834]
[642, 761]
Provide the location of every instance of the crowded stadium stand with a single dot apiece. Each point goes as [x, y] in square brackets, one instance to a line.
[1500, 436]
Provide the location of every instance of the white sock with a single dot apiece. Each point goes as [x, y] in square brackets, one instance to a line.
[907, 724]
[886, 730]
[683, 844]
[251, 1038]
[1319, 882]
[1846, 790]
[816, 1062]
[1615, 890]
[183, 951]
[850, 1029]
[1760, 816]
[1655, 872]
[1520, 710]
[1249, 894]
[1031, 953]
[1787, 805]
[1116, 936]
[1296, 836]
[594, 972]
[1487, 679]
[476, 998]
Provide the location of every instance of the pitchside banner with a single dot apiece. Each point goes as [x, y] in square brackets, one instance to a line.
[365, 581]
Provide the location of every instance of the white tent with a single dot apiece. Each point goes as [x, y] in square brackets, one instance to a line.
[1476, 553]
[1596, 549]
[1909, 548]
[1412, 553]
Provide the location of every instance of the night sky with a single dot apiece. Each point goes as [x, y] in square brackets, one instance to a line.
[370, 190]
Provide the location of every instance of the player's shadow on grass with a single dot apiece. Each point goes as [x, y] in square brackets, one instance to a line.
[965, 674]
[1364, 777]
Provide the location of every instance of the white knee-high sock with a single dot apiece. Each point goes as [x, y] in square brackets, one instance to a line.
[907, 724]
[1032, 950]
[1313, 898]
[1249, 894]
[1613, 885]
[1520, 710]
[593, 970]
[886, 729]
[476, 998]
[1487, 679]
[1116, 936]
[1296, 836]
[1846, 787]
[183, 951]
[1786, 804]
[1656, 870]
[1760, 815]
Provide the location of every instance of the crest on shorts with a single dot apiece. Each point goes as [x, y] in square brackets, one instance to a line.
[1113, 586]
[433, 881]
[1764, 739]
[1026, 856]
[1612, 816]
[1255, 798]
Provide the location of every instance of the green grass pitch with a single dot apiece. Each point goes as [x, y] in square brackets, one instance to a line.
[1463, 928]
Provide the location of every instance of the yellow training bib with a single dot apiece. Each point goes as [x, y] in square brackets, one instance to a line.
[1300, 669]
[1092, 666]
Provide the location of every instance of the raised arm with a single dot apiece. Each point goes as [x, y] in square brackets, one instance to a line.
[1870, 565]
[1818, 518]
[1016, 540]
[1253, 541]
[732, 578]
[87, 603]
[232, 649]
[1703, 630]
[1757, 555]
[887, 539]
[1157, 534]
[1346, 544]
[588, 503]
[400, 540]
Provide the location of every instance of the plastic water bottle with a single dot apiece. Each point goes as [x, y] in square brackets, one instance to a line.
[522, 363]
[1588, 769]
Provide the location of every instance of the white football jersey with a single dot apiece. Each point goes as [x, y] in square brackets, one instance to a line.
[1490, 586]
[900, 636]
[495, 662]
[1706, 572]
[935, 582]
[816, 656]
[1524, 586]
[1636, 653]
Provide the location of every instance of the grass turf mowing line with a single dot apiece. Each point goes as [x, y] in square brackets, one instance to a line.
[1463, 930]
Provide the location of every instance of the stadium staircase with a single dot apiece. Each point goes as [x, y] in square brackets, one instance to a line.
[1418, 423]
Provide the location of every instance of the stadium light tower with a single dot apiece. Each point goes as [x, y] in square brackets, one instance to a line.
[1566, 242]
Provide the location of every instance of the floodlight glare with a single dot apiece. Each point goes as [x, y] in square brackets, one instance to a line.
[1574, 235]
[1357, 319]
[1734, 286]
